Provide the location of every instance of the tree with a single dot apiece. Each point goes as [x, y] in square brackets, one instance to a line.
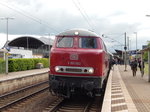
[145, 56]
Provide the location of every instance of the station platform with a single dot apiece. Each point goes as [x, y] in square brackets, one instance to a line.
[126, 93]
[14, 75]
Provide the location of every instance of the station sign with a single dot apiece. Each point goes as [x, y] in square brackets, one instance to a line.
[132, 52]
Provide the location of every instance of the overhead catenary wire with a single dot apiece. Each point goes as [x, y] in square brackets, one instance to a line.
[83, 13]
[103, 35]
[87, 16]
[22, 12]
[113, 47]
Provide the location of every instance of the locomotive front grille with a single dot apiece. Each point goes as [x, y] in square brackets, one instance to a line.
[73, 70]
[76, 70]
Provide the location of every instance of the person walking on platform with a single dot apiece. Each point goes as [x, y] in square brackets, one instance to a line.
[133, 65]
[141, 66]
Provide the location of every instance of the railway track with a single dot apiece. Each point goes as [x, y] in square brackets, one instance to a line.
[75, 105]
[9, 100]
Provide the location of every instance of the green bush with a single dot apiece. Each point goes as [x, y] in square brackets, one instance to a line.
[12, 65]
[44, 61]
[26, 64]
[2, 66]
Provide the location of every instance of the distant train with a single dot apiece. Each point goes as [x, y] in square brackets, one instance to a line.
[78, 63]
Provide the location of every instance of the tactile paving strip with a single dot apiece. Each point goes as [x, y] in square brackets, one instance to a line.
[118, 103]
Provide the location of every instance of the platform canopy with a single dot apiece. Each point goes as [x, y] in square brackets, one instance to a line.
[119, 52]
[30, 42]
[146, 49]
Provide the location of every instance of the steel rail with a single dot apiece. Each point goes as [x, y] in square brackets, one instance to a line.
[57, 106]
[87, 107]
[23, 98]
[22, 89]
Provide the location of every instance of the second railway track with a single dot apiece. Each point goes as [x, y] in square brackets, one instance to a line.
[10, 99]
[82, 104]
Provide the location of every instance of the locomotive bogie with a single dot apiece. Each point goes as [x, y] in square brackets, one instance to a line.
[75, 85]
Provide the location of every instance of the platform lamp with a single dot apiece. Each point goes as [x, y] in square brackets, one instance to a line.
[49, 39]
[125, 56]
[136, 43]
[7, 19]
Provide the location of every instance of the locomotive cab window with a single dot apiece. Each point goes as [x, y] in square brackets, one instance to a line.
[63, 42]
[87, 43]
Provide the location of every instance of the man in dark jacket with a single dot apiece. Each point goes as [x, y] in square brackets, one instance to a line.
[141, 66]
[133, 65]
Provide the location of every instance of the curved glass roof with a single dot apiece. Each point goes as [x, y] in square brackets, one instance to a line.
[30, 42]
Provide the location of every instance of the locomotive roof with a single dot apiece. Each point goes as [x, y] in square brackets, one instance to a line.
[81, 32]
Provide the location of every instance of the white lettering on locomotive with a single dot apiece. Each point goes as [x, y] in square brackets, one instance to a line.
[74, 63]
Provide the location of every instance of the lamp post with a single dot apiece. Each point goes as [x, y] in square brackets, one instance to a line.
[7, 19]
[136, 43]
[130, 47]
[128, 43]
[147, 15]
[125, 56]
[49, 35]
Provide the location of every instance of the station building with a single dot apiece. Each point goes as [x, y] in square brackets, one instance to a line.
[29, 47]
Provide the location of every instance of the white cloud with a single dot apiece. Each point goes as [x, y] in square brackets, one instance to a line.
[105, 16]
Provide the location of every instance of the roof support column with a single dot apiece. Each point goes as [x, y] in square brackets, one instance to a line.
[149, 65]
[142, 64]
[27, 43]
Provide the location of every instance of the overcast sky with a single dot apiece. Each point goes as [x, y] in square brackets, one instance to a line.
[109, 17]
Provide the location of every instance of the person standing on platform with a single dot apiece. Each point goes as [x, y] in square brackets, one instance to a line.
[133, 65]
[141, 66]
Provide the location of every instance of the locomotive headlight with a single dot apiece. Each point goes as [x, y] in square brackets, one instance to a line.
[76, 33]
[91, 70]
[57, 68]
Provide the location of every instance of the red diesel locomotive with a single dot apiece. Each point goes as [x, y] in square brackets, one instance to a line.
[78, 63]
